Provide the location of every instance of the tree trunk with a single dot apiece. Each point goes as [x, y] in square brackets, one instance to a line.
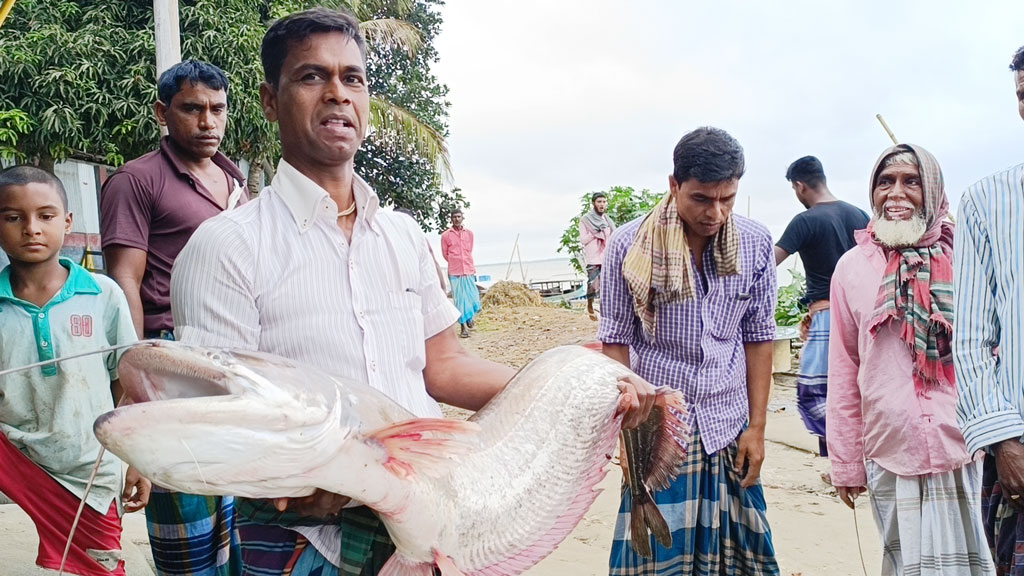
[46, 162]
[253, 179]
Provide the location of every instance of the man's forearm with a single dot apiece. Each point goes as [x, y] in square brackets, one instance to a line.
[759, 379]
[617, 352]
[456, 377]
[133, 294]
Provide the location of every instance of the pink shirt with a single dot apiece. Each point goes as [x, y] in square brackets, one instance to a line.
[594, 243]
[457, 249]
[874, 413]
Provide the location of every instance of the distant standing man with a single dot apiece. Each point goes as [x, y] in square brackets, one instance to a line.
[821, 234]
[148, 211]
[457, 250]
[988, 350]
[689, 302]
[892, 395]
[595, 230]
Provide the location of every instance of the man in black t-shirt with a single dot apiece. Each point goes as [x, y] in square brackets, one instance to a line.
[821, 234]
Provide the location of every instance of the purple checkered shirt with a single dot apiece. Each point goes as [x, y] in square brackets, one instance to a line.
[698, 348]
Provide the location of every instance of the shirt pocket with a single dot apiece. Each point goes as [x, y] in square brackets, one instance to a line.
[728, 306]
[402, 319]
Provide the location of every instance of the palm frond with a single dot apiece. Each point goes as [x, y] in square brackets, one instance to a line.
[394, 33]
[405, 128]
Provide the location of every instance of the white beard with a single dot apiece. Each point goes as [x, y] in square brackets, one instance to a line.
[900, 233]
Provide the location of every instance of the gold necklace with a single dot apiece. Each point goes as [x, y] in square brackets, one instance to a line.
[348, 210]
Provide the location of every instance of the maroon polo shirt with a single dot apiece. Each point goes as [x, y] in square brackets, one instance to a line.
[153, 203]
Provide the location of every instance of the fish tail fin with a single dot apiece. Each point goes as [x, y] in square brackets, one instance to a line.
[642, 505]
[645, 516]
[399, 565]
[424, 445]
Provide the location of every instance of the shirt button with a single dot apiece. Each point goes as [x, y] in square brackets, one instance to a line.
[44, 344]
[373, 365]
[42, 315]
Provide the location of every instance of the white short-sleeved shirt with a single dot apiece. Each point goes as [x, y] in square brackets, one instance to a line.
[48, 412]
[277, 275]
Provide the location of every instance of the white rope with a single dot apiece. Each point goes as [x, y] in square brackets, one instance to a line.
[860, 547]
[71, 357]
[81, 506]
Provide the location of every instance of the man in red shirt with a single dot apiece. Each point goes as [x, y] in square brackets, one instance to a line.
[457, 249]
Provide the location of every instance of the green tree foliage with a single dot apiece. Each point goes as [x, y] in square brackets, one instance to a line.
[789, 310]
[401, 171]
[624, 204]
[77, 79]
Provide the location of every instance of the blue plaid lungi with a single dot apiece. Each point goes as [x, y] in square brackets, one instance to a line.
[709, 535]
[812, 379]
[192, 535]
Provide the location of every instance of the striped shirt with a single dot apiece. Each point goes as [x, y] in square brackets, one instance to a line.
[698, 347]
[989, 298]
[277, 275]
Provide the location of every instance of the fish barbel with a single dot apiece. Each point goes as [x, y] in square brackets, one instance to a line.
[492, 495]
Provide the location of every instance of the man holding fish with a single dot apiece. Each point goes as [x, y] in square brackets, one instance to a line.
[313, 270]
[689, 302]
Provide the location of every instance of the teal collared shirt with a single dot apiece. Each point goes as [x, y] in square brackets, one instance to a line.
[79, 281]
[48, 412]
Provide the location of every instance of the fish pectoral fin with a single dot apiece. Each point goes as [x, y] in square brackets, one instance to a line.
[668, 443]
[399, 565]
[446, 564]
[426, 446]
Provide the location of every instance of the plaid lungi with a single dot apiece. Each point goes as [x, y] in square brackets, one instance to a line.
[593, 281]
[812, 379]
[1004, 526]
[718, 528]
[931, 525]
[270, 547]
[192, 535]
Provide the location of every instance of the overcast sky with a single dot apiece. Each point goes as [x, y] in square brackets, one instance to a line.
[554, 99]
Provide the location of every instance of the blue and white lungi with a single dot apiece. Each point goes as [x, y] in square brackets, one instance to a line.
[812, 379]
[466, 296]
[709, 535]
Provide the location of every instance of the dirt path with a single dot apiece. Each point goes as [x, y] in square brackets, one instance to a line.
[813, 533]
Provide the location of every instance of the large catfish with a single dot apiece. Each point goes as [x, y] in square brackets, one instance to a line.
[492, 495]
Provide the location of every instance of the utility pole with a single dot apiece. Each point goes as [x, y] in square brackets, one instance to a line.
[168, 38]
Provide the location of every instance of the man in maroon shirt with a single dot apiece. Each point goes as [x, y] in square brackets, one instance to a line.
[148, 211]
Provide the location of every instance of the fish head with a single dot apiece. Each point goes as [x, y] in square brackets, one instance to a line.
[217, 421]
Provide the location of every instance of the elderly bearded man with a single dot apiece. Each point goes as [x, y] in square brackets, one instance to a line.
[891, 394]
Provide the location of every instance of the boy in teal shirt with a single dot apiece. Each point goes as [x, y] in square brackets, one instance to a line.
[51, 307]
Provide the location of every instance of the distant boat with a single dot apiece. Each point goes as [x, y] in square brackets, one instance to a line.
[556, 291]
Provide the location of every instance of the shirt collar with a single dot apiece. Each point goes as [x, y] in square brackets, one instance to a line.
[171, 154]
[79, 281]
[307, 201]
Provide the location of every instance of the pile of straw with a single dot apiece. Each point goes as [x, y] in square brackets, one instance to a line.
[507, 294]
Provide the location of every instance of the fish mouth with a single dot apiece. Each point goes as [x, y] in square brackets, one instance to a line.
[157, 370]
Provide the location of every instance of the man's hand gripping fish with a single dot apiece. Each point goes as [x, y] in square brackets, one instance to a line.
[493, 495]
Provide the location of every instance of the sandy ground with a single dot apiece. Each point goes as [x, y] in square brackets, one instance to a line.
[814, 534]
